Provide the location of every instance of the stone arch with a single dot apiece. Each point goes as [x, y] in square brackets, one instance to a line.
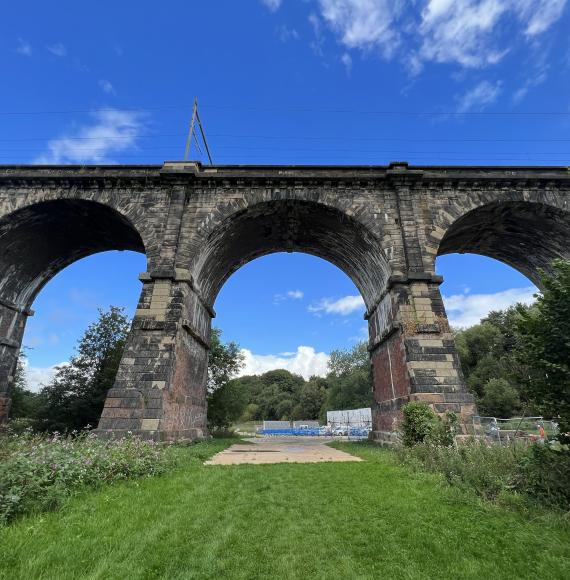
[36, 242]
[291, 225]
[39, 240]
[527, 235]
[136, 215]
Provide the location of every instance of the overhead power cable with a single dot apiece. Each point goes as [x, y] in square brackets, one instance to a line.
[294, 110]
[130, 138]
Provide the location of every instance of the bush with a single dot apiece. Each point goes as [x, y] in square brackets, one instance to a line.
[486, 470]
[419, 422]
[422, 425]
[544, 475]
[38, 472]
[539, 473]
[500, 399]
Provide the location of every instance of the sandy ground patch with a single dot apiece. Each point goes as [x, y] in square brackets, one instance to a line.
[280, 450]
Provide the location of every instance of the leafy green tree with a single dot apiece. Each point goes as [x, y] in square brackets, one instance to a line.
[225, 406]
[226, 400]
[345, 362]
[311, 399]
[224, 361]
[500, 399]
[349, 380]
[544, 345]
[75, 397]
[25, 403]
[487, 353]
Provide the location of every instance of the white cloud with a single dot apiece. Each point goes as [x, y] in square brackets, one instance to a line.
[346, 60]
[305, 362]
[464, 310]
[364, 24]
[343, 306]
[273, 5]
[57, 49]
[479, 97]
[535, 73]
[37, 377]
[289, 295]
[471, 33]
[467, 31]
[318, 42]
[295, 294]
[107, 87]
[285, 34]
[113, 131]
[462, 31]
[24, 48]
[539, 15]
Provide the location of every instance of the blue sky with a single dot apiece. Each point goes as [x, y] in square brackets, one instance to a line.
[291, 81]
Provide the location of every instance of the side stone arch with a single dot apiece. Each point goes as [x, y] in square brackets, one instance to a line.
[40, 237]
[524, 229]
[123, 202]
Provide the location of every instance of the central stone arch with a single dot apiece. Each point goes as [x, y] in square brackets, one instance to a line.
[291, 226]
[241, 234]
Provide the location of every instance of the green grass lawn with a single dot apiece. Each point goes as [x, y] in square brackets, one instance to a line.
[332, 520]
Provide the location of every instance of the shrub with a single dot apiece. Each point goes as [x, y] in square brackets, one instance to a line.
[419, 422]
[422, 425]
[544, 475]
[38, 472]
[538, 473]
[486, 470]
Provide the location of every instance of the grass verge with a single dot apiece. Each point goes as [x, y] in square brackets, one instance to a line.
[330, 520]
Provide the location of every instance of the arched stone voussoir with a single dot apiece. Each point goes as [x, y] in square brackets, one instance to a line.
[289, 225]
[39, 239]
[526, 230]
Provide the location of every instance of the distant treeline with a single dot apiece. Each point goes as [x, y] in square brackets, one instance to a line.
[279, 394]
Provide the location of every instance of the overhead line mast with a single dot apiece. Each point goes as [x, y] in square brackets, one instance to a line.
[192, 134]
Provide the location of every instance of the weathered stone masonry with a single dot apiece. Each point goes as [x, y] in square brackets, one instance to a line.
[383, 226]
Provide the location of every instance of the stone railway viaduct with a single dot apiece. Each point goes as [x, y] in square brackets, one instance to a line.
[384, 226]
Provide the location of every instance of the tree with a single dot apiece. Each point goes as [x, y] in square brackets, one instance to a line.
[311, 399]
[487, 353]
[25, 403]
[225, 406]
[75, 397]
[224, 361]
[544, 345]
[499, 399]
[226, 401]
[345, 362]
[349, 379]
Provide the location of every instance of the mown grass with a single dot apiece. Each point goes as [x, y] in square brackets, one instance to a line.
[332, 520]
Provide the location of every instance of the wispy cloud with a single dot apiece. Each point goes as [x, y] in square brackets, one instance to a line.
[113, 131]
[273, 5]
[306, 361]
[289, 295]
[285, 34]
[107, 87]
[57, 49]
[470, 33]
[318, 40]
[343, 306]
[464, 310]
[346, 60]
[479, 97]
[24, 48]
[364, 24]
